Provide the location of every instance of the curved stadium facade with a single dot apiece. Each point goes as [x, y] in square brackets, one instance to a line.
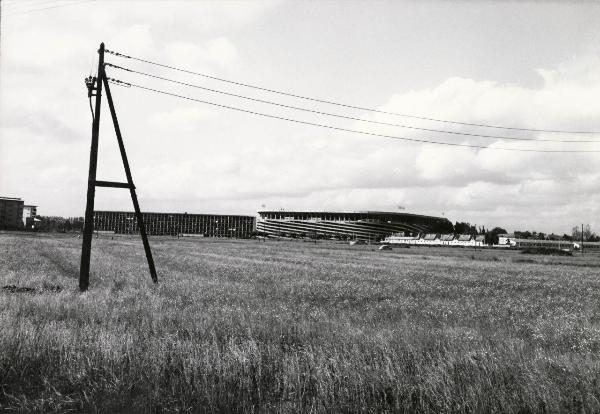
[367, 225]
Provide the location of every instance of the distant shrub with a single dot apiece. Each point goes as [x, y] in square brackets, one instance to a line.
[546, 251]
[523, 260]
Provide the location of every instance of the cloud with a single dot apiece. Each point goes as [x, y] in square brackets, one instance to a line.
[536, 190]
[199, 17]
[137, 37]
[217, 52]
[187, 119]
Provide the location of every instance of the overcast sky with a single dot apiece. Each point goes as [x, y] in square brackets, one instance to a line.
[533, 64]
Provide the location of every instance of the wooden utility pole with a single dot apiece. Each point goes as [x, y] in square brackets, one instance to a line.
[581, 238]
[88, 226]
[84, 273]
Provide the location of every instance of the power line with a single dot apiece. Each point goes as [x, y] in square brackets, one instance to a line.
[354, 131]
[342, 104]
[72, 3]
[14, 5]
[344, 116]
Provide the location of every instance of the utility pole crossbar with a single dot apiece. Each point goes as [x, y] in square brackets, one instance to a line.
[95, 85]
[113, 184]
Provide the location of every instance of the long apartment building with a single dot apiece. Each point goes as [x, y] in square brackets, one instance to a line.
[11, 213]
[366, 225]
[209, 225]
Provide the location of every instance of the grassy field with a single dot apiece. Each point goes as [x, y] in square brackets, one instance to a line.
[242, 326]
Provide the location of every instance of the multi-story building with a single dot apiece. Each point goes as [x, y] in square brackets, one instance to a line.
[29, 213]
[209, 225]
[367, 225]
[11, 213]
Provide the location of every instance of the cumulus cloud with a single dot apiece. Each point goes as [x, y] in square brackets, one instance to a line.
[217, 51]
[484, 185]
[488, 186]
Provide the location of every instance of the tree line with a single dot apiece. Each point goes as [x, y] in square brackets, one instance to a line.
[58, 224]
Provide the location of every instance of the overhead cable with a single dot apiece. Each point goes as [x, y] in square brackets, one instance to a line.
[293, 95]
[55, 6]
[354, 131]
[345, 116]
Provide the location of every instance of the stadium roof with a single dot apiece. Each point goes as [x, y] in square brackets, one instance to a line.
[372, 213]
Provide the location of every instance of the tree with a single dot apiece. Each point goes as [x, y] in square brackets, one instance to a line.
[461, 227]
[444, 226]
[588, 235]
[491, 237]
[523, 234]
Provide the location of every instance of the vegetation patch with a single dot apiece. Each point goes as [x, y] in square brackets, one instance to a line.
[546, 251]
[247, 326]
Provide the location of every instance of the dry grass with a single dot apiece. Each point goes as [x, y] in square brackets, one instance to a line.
[241, 326]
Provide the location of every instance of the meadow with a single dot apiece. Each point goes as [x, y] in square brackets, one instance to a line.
[243, 326]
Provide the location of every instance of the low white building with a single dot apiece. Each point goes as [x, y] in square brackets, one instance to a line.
[506, 240]
[463, 240]
[446, 239]
[397, 239]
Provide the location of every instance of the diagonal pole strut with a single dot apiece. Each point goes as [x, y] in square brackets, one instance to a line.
[136, 205]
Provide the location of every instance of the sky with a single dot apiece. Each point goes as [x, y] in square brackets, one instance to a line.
[518, 64]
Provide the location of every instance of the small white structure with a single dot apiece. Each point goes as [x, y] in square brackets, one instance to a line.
[431, 239]
[463, 240]
[446, 239]
[400, 239]
[506, 240]
[480, 240]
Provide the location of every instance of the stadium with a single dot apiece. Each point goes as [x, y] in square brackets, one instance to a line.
[366, 225]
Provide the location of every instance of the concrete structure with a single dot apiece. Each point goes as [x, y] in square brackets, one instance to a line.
[209, 225]
[464, 240]
[29, 213]
[446, 239]
[549, 244]
[506, 239]
[432, 239]
[11, 213]
[368, 225]
[400, 239]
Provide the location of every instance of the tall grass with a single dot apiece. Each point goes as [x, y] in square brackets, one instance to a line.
[239, 326]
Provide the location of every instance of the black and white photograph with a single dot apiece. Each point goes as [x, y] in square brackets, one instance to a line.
[299, 206]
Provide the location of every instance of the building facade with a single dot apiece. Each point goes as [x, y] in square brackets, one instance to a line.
[29, 213]
[11, 213]
[368, 225]
[432, 239]
[208, 225]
